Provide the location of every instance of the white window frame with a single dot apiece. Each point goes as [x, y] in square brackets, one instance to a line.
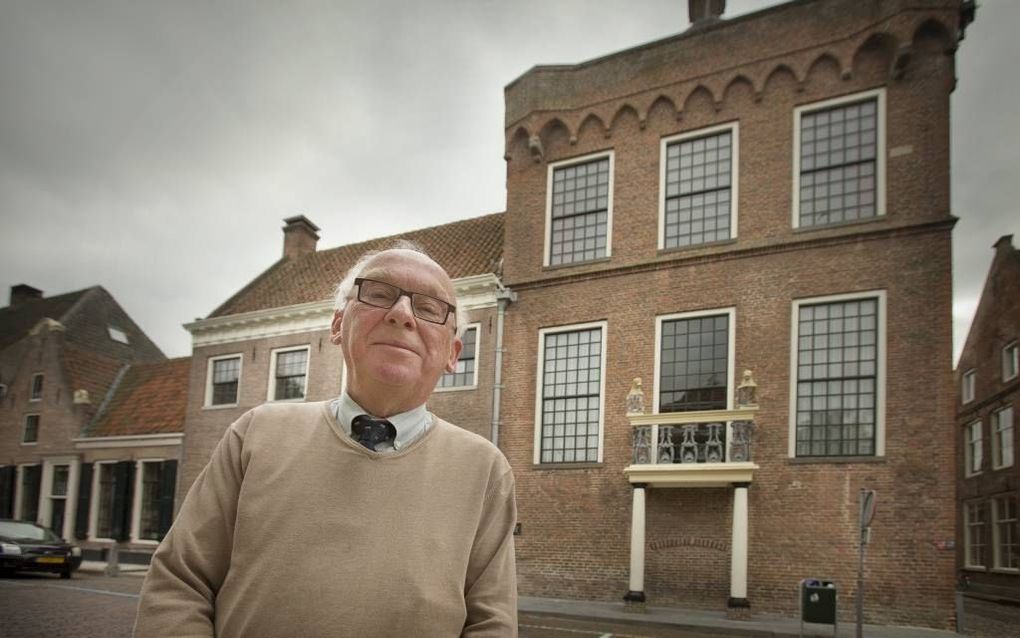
[136, 502]
[208, 405]
[272, 373]
[70, 499]
[973, 448]
[31, 387]
[19, 491]
[116, 334]
[1009, 356]
[967, 386]
[996, 439]
[584, 159]
[474, 380]
[968, 539]
[734, 128]
[24, 429]
[997, 557]
[94, 501]
[880, 368]
[539, 378]
[880, 175]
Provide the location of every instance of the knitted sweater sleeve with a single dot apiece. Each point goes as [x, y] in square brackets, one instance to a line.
[491, 587]
[191, 563]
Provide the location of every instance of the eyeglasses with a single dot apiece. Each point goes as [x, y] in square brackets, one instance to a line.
[383, 295]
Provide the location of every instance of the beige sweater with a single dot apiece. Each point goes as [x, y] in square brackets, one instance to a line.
[293, 529]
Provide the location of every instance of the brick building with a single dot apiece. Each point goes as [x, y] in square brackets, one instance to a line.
[988, 478]
[769, 193]
[66, 364]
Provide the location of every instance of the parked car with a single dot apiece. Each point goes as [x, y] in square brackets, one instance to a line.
[25, 546]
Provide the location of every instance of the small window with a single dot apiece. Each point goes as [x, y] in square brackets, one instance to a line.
[1006, 550]
[973, 446]
[466, 373]
[289, 374]
[31, 432]
[1002, 438]
[1009, 362]
[223, 378]
[37, 387]
[117, 334]
[967, 386]
[974, 534]
[579, 210]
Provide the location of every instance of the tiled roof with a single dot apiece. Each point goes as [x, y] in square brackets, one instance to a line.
[149, 399]
[90, 371]
[16, 321]
[468, 247]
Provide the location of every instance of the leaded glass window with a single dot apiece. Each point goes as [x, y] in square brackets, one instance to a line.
[693, 364]
[571, 396]
[225, 375]
[837, 378]
[698, 193]
[838, 163]
[974, 534]
[464, 374]
[1007, 550]
[580, 212]
[291, 371]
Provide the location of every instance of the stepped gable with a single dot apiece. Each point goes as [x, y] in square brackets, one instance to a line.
[149, 399]
[464, 248]
[17, 321]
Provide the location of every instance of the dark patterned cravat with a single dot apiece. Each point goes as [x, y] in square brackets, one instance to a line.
[370, 431]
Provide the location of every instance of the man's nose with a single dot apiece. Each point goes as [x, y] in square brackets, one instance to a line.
[401, 313]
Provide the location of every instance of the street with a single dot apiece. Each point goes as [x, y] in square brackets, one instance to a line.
[96, 606]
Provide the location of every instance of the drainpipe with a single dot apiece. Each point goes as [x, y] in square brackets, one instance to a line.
[504, 297]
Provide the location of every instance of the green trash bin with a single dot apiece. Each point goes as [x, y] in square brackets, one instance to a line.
[818, 600]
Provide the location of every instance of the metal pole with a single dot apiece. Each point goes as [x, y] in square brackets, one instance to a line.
[860, 569]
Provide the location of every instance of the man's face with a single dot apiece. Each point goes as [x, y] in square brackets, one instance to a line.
[390, 353]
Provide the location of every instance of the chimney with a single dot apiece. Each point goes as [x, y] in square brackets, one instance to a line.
[23, 293]
[299, 237]
[1004, 244]
[703, 12]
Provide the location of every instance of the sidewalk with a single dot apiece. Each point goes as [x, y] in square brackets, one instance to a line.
[98, 566]
[762, 625]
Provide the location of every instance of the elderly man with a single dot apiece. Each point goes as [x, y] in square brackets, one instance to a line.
[364, 516]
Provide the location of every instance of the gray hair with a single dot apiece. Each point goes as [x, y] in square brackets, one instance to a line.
[345, 289]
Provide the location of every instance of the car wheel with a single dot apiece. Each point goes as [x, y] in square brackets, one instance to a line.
[66, 574]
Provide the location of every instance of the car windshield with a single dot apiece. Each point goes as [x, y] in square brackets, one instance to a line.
[16, 530]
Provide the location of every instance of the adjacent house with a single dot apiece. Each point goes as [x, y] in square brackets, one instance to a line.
[82, 419]
[988, 397]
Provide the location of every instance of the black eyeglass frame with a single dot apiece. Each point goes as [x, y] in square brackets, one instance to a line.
[405, 293]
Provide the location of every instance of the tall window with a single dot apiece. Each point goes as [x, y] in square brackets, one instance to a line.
[1009, 362]
[1004, 533]
[840, 151]
[572, 365]
[838, 385]
[35, 394]
[580, 210]
[974, 534]
[694, 366]
[58, 497]
[1002, 438]
[31, 486]
[290, 373]
[974, 450]
[699, 187]
[31, 432]
[967, 386]
[107, 490]
[223, 376]
[465, 374]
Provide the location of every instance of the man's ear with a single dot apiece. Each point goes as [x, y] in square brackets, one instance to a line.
[455, 347]
[334, 327]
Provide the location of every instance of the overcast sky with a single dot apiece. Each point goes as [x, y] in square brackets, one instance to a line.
[155, 147]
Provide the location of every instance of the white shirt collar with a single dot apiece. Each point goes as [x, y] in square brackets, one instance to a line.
[409, 425]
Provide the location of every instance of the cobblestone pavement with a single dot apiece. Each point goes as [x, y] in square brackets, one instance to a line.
[87, 606]
[990, 620]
